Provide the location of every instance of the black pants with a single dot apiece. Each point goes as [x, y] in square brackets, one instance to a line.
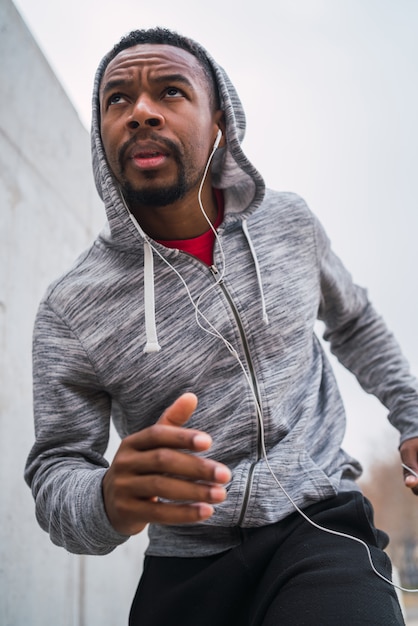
[286, 574]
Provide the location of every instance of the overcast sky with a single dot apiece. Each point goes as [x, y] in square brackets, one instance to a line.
[331, 94]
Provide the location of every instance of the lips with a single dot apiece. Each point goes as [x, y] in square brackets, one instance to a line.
[147, 155]
[149, 159]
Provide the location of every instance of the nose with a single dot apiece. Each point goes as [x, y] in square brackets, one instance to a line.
[145, 113]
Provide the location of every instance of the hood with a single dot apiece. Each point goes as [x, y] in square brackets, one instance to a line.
[231, 171]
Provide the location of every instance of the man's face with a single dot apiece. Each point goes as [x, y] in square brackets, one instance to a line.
[157, 123]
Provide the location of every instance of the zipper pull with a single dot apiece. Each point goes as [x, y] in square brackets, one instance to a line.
[216, 274]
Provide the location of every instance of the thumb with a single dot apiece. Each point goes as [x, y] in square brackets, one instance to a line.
[178, 413]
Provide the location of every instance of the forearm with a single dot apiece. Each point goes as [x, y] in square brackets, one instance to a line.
[361, 341]
[367, 348]
[66, 464]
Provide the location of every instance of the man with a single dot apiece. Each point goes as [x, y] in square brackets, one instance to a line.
[190, 322]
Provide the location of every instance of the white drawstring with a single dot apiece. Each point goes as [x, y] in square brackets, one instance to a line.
[152, 344]
[257, 270]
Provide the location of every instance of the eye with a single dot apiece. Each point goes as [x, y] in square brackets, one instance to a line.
[115, 98]
[174, 92]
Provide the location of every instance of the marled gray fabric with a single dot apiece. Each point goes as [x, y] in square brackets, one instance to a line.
[89, 362]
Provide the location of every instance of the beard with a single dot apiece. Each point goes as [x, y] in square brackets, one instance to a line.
[156, 195]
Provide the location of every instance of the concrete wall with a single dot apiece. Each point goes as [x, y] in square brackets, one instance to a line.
[49, 212]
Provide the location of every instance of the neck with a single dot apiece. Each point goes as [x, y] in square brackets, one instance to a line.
[182, 219]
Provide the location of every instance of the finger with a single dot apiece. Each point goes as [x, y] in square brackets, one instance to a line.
[162, 436]
[412, 484]
[180, 411]
[177, 490]
[169, 513]
[411, 481]
[165, 461]
[408, 471]
[156, 512]
[410, 478]
[409, 455]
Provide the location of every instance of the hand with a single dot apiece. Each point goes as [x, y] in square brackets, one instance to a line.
[409, 455]
[152, 464]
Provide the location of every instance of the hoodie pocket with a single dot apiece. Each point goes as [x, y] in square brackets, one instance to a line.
[297, 481]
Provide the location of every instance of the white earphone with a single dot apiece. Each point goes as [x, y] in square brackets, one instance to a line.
[217, 140]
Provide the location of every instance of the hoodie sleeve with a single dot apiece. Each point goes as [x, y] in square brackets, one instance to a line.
[66, 465]
[361, 341]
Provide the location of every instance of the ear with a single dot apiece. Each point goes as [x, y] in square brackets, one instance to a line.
[219, 126]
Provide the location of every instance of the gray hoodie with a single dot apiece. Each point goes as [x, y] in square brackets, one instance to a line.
[132, 325]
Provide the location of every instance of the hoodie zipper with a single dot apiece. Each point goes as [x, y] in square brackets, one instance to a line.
[255, 390]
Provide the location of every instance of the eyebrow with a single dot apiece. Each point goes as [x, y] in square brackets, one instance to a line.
[164, 78]
[111, 85]
[173, 78]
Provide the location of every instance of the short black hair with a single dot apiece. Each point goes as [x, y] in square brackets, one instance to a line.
[159, 35]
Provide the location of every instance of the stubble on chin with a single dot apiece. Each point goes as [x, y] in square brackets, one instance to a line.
[151, 193]
[154, 196]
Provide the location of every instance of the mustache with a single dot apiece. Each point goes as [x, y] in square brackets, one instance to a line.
[162, 141]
